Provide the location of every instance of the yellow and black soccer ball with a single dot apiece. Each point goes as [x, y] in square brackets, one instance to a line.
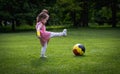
[78, 49]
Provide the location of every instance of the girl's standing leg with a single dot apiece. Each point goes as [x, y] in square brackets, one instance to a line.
[43, 50]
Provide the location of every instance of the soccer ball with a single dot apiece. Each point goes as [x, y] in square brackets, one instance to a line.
[78, 49]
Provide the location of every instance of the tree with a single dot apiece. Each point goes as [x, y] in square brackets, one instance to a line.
[114, 12]
[15, 11]
[112, 4]
[72, 8]
[84, 14]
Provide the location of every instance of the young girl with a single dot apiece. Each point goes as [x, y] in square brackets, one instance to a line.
[44, 35]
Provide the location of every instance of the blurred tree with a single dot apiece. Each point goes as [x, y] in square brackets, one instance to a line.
[71, 8]
[84, 13]
[110, 4]
[22, 11]
[114, 12]
[77, 12]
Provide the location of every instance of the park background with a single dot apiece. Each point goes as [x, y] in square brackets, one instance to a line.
[22, 14]
[93, 23]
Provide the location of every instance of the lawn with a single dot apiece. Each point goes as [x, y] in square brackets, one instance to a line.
[20, 53]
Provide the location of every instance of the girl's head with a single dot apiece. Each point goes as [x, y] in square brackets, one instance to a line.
[45, 11]
[42, 17]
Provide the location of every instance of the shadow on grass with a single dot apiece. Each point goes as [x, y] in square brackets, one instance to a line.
[38, 62]
[83, 56]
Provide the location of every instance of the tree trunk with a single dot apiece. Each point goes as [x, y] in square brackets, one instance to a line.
[13, 25]
[84, 15]
[0, 23]
[73, 18]
[114, 12]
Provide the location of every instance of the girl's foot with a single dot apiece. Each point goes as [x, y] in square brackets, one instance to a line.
[65, 32]
[43, 56]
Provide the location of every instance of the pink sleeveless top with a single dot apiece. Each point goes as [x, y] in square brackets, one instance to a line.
[45, 35]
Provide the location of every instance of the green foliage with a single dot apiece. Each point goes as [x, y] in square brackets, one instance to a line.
[69, 10]
[76, 12]
[70, 5]
[105, 12]
[61, 11]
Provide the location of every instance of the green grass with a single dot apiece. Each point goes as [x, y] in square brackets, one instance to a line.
[19, 53]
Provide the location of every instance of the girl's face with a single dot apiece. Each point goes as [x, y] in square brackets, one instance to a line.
[44, 21]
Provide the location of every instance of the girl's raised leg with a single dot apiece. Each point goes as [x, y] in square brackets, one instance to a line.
[56, 34]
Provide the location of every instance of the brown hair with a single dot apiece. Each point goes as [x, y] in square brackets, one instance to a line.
[42, 15]
[45, 11]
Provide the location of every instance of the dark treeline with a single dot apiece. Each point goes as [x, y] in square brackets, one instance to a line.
[76, 12]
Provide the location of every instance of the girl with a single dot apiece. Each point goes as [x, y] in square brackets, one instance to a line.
[44, 35]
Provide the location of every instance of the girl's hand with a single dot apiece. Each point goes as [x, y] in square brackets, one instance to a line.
[38, 34]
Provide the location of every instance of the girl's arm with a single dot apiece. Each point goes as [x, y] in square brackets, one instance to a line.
[38, 30]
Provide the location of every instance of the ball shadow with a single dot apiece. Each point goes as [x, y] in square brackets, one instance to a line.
[83, 56]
